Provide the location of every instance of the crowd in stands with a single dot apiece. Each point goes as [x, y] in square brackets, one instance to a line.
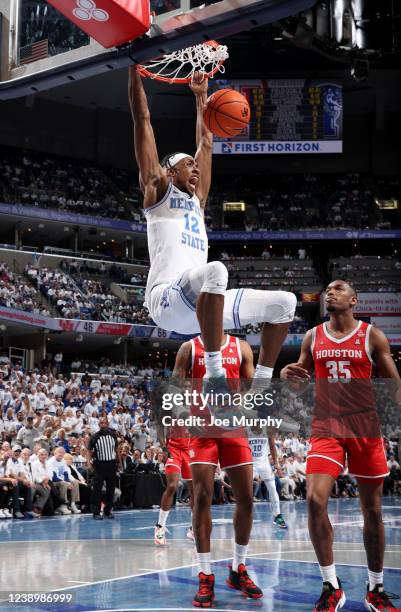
[84, 298]
[278, 202]
[40, 180]
[113, 273]
[47, 418]
[15, 292]
[291, 202]
[381, 274]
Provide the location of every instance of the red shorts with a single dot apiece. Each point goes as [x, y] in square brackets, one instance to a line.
[366, 457]
[229, 452]
[178, 462]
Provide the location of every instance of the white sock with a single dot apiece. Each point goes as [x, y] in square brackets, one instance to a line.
[329, 575]
[273, 496]
[374, 579]
[204, 563]
[261, 378]
[240, 552]
[163, 515]
[214, 365]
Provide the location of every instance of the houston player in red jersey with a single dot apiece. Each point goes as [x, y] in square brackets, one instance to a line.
[176, 464]
[234, 455]
[341, 350]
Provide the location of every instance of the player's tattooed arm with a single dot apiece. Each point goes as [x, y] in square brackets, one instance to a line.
[153, 180]
[298, 374]
[204, 138]
[182, 364]
[386, 368]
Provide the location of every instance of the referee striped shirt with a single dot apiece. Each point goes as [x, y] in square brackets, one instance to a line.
[104, 444]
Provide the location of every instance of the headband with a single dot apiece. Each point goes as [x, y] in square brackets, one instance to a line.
[174, 159]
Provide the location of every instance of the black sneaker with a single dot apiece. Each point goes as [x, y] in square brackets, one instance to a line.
[97, 517]
[108, 515]
[205, 595]
[242, 582]
[331, 599]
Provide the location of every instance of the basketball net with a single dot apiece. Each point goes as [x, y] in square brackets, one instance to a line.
[179, 67]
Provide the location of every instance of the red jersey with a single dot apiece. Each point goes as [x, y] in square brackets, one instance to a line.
[342, 358]
[231, 359]
[230, 353]
[343, 369]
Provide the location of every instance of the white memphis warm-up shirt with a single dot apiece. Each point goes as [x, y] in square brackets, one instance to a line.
[260, 452]
[177, 238]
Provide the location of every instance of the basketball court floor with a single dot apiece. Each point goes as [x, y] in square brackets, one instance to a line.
[114, 565]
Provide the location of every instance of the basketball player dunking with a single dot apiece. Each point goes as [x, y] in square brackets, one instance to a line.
[234, 456]
[345, 349]
[184, 293]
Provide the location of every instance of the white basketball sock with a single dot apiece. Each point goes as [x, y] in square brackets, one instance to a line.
[374, 579]
[204, 562]
[214, 365]
[261, 378]
[329, 575]
[240, 552]
[163, 516]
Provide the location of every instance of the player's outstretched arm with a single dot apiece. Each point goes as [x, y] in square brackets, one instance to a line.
[381, 354]
[298, 374]
[204, 138]
[153, 179]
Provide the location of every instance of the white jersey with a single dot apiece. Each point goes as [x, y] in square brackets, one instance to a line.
[260, 450]
[177, 238]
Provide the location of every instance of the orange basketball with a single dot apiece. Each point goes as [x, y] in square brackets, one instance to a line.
[227, 113]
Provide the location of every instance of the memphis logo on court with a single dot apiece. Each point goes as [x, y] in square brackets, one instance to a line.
[87, 9]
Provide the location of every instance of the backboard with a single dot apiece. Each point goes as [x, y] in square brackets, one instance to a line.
[41, 49]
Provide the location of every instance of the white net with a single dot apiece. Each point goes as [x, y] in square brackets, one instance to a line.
[180, 66]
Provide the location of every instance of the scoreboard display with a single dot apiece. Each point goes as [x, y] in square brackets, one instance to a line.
[287, 116]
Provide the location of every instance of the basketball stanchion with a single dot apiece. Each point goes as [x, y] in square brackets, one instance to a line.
[109, 22]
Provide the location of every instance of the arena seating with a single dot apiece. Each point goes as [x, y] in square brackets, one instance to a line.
[380, 274]
[40, 180]
[275, 273]
[15, 292]
[83, 298]
[310, 201]
[277, 202]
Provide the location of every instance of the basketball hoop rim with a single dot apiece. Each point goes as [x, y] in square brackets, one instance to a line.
[145, 72]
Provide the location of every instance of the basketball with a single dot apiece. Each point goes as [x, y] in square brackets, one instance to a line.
[227, 113]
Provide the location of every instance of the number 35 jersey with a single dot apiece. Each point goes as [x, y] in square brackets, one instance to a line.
[343, 369]
[177, 238]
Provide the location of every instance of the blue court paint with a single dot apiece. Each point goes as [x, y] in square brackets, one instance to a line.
[288, 585]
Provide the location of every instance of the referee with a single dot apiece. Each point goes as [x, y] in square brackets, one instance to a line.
[103, 454]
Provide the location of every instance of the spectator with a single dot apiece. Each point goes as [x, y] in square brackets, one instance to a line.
[60, 479]
[28, 434]
[42, 477]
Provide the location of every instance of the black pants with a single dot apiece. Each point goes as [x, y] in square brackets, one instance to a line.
[22, 491]
[104, 471]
